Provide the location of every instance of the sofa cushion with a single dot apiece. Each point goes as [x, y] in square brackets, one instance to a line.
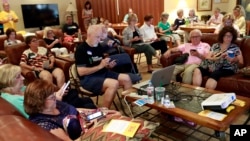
[7, 109]
[15, 52]
[16, 128]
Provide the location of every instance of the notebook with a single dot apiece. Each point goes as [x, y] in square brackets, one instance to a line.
[160, 77]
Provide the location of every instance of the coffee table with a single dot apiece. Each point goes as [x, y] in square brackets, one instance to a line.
[189, 106]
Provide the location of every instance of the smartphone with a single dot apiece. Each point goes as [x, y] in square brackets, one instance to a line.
[98, 114]
[66, 86]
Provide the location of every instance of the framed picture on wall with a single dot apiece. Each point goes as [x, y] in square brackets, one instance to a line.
[204, 5]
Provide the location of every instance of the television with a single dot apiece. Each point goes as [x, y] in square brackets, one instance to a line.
[40, 15]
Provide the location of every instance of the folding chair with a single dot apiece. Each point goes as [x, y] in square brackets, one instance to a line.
[75, 84]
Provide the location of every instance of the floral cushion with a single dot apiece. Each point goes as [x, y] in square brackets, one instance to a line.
[143, 133]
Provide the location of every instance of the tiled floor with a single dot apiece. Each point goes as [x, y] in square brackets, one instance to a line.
[170, 130]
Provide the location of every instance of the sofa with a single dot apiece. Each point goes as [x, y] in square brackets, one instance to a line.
[14, 54]
[15, 127]
[237, 83]
[58, 33]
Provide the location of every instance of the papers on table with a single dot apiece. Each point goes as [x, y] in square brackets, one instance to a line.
[123, 127]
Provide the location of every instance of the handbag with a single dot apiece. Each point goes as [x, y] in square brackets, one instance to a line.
[181, 59]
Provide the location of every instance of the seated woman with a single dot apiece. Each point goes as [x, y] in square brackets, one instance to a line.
[12, 89]
[11, 38]
[132, 37]
[167, 29]
[53, 43]
[240, 19]
[192, 17]
[228, 20]
[67, 122]
[178, 22]
[223, 59]
[41, 61]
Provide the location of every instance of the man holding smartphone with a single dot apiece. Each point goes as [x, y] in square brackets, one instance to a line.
[197, 51]
[94, 69]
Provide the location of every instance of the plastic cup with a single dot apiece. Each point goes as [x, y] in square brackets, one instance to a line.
[159, 93]
[230, 54]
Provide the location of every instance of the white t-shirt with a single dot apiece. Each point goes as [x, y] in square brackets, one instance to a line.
[148, 32]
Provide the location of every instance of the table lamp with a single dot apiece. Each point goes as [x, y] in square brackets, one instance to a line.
[71, 8]
[248, 7]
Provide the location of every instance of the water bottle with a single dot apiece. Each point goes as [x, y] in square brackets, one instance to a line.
[150, 92]
[166, 102]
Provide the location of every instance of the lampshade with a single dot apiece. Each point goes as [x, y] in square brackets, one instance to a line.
[71, 8]
[248, 8]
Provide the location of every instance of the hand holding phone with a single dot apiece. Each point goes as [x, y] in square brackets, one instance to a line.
[95, 115]
[65, 87]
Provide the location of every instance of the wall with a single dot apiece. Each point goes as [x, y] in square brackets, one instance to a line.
[173, 6]
[15, 5]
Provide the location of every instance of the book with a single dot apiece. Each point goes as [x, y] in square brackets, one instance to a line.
[123, 127]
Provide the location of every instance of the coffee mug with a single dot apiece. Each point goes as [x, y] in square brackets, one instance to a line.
[230, 54]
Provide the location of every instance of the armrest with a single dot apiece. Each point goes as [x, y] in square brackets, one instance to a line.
[64, 65]
[28, 75]
[131, 51]
[69, 45]
[169, 61]
[170, 42]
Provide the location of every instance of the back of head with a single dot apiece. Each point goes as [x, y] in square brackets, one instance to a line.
[8, 73]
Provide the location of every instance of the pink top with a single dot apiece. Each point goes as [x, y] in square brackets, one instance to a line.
[202, 48]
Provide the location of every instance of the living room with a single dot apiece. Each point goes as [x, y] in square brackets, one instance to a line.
[193, 127]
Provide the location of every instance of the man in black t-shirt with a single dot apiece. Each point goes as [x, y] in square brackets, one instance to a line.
[70, 28]
[94, 69]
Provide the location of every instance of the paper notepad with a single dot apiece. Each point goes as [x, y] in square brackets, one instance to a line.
[213, 115]
[123, 127]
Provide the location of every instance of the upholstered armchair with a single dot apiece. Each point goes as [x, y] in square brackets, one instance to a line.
[14, 54]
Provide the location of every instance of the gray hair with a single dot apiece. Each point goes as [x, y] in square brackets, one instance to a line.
[194, 31]
[164, 14]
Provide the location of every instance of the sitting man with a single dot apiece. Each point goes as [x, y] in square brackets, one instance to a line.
[41, 61]
[70, 29]
[93, 68]
[197, 52]
[149, 35]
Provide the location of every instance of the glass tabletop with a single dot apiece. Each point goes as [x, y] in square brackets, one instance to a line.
[187, 98]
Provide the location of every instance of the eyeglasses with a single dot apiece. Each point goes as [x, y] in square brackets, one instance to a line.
[52, 97]
[228, 36]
